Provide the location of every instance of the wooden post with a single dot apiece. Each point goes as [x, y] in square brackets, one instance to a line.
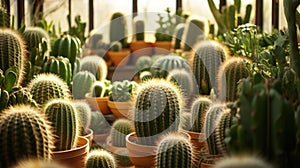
[222, 3]
[275, 13]
[91, 15]
[21, 13]
[134, 8]
[259, 13]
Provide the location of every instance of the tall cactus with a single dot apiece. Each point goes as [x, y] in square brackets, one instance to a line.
[25, 133]
[229, 74]
[78, 89]
[96, 65]
[100, 158]
[120, 129]
[13, 52]
[206, 62]
[34, 36]
[199, 109]
[63, 115]
[174, 150]
[4, 17]
[158, 107]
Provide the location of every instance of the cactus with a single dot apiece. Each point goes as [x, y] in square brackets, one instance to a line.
[143, 63]
[122, 91]
[34, 36]
[174, 150]
[120, 129]
[139, 30]
[185, 122]
[99, 125]
[13, 52]
[185, 81]
[224, 123]
[63, 115]
[21, 95]
[100, 158]
[59, 66]
[241, 162]
[229, 74]
[35, 163]
[177, 37]
[118, 29]
[116, 46]
[84, 115]
[158, 107]
[199, 110]
[25, 133]
[96, 65]
[46, 87]
[122, 158]
[4, 17]
[101, 89]
[145, 75]
[83, 77]
[162, 66]
[206, 63]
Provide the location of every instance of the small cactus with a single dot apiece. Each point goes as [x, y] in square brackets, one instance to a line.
[143, 63]
[118, 29]
[100, 158]
[122, 91]
[177, 37]
[120, 129]
[96, 65]
[84, 115]
[139, 30]
[199, 109]
[101, 89]
[116, 46]
[82, 83]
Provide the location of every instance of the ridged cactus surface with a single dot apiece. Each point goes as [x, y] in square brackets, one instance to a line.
[199, 109]
[224, 123]
[100, 158]
[82, 83]
[120, 129]
[84, 114]
[34, 36]
[96, 65]
[4, 17]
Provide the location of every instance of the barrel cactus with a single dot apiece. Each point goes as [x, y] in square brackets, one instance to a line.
[25, 133]
[46, 87]
[174, 150]
[96, 65]
[158, 106]
[78, 89]
[143, 63]
[34, 36]
[229, 74]
[63, 115]
[13, 52]
[199, 109]
[100, 158]
[120, 129]
[206, 62]
[4, 17]
[84, 115]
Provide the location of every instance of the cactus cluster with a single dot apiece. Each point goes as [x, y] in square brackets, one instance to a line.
[78, 89]
[96, 65]
[25, 133]
[34, 36]
[84, 115]
[120, 129]
[199, 110]
[122, 91]
[100, 158]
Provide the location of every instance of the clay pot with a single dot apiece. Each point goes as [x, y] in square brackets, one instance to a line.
[119, 58]
[89, 136]
[98, 103]
[197, 139]
[74, 157]
[162, 47]
[120, 109]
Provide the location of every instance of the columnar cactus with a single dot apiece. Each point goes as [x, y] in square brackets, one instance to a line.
[78, 89]
[229, 74]
[225, 122]
[174, 150]
[84, 114]
[199, 109]
[13, 52]
[158, 107]
[162, 66]
[34, 36]
[4, 17]
[116, 46]
[46, 87]
[63, 115]
[118, 29]
[25, 133]
[96, 65]
[139, 30]
[120, 129]
[206, 62]
[100, 158]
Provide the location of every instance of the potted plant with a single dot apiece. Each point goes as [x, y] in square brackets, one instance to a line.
[117, 54]
[100, 127]
[98, 97]
[119, 99]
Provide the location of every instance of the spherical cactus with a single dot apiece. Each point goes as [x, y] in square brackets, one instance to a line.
[99, 125]
[122, 158]
[46, 87]
[63, 115]
[162, 66]
[206, 62]
[84, 114]
[174, 150]
[13, 52]
[120, 129]
[25, 133]
[96, 65]
[100, 158]
[82, 83]
[225, 122]
[158, 107]
[229, 74]
[199, 109]
[21, 95]
[242, 162]
[143, 63]
[34, 36]
[116, 46]
[4, 17]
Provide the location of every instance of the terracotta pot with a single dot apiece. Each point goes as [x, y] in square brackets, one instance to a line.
[162, 47]
[120, 109]
[119, 58]
[98, 103]
[89, 136]
[74, 158]
[141, 48]
[197, 139]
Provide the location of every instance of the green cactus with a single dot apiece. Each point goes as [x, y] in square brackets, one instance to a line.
[174, 150]
[21, 95]
[46, 87]
[59, 66]
[99, 125]
[139, 30]
[199, 110]
[224, 123]
[101, 89]
[122, 91]
[120, 129]
[118, 29]
[122, 158]
[145, 75]
[242, 162]
[13, 52]
[185, 122]
[116, 46]
[78, 89]
[4, 17]
[84, 115]
[63, 115]
[158, 107]
[177, 37]
[34, 36]
[25, 133]
[143, 63]
[100, 158]
[206, 62]
[4, 99]
[229, 74]
[96, 65]
[162, 66]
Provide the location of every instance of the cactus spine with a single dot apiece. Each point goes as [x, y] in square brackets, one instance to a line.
[229, 74]
[120, 129]
[46, 87]
[206, 63]
[158, 107]
[63, 115]
[34, 36]
[96, 65]
[224, 122]
[84, 114]
[174, 150]
[25, 134]
[20, 95]
[100, 158]
[13, 52]
[199, 109]
[83, 77]
[4, 17]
